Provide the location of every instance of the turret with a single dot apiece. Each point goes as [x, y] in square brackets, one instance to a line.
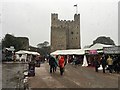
[77, 17]
[54, 19]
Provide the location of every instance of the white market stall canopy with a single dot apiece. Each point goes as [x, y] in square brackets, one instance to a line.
[27, 52]
[69, 52]
[98, 46]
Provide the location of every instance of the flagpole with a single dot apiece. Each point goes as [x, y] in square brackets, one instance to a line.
[76, 8]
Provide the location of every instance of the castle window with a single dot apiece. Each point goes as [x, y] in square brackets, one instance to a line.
[77, 32]
[76, 37]
[72, 38]
[71, 32]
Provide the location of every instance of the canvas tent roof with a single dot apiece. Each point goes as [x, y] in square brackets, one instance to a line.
[69, 52]
[27, 52]
[98, 46]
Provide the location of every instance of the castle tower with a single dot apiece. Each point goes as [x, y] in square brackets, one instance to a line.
[65, 34]
[54, 19]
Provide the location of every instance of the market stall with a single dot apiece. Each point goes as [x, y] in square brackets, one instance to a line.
[95, 52]
[71, 55]
[23, 55]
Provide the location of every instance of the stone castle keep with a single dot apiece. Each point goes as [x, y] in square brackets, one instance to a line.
[65, 34]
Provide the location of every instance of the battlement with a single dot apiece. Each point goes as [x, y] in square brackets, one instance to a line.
[54, 17]
[77, 17]
[77, 14]
[54, 14]
[65, 21]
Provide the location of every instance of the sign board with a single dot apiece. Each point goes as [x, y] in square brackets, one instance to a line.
[112, 50]
[93, 52]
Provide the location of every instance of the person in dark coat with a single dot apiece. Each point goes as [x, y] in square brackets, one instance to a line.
[104, 63]
[65, 59]
[118, 64]
[96, 64]
[52, 64]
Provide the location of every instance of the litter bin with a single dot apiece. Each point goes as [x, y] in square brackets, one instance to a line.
[31, 69]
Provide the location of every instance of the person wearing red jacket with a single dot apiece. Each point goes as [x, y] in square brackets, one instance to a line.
[61, 64]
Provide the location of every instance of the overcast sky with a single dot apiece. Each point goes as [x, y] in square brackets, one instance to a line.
[32, 18]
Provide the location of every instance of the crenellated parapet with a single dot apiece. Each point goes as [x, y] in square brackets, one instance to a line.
[55, 22]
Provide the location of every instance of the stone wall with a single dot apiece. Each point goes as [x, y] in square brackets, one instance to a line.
[58, 40]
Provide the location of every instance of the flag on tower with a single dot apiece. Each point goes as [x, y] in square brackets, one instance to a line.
[75, 5]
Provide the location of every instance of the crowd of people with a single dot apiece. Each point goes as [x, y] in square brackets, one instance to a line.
[111, 64]
[61, 61]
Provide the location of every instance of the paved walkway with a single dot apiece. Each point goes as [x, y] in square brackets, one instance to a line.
[74, 77]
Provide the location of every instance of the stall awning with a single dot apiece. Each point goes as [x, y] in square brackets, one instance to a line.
[112, 50]
[69, 52]
[97, 48]
[27, 52]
